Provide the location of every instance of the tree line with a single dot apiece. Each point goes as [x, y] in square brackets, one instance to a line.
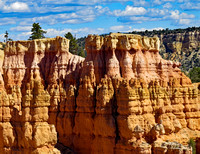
[165, 31]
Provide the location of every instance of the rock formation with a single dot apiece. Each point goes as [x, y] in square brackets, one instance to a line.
[177, 45]
[122, 98]
[182, 47]
[185, 42]
[30, 69]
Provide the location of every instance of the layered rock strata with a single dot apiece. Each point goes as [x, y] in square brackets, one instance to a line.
[30, 68]
[117, 100]
[181, 42]
[183, 47]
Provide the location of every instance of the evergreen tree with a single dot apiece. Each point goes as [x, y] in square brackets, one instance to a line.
[73, 46]
[10, 39]
[6, 35]
[194, 74]
[81, 51]
[37, 32]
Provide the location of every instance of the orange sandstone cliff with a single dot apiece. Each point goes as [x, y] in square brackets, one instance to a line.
[122, 98]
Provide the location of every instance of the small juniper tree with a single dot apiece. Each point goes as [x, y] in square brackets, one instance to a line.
[37, 32]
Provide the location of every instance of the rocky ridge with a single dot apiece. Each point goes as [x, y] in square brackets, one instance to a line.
[122, 98]
[182, 47]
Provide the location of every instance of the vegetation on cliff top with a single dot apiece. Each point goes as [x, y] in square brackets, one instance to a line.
[6, 35]
[74, 46]
[194, 74]
[165, 31]
[37, 32]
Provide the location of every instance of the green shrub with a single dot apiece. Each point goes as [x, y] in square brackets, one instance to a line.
[194, 74]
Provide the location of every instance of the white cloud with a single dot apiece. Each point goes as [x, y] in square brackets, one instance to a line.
[53, 8]
[100, 30]
[83, 2]
[94, 2]
[177, 15]
[78, 32]
[190, 6]
[130, 11]
[181, 18]
[121, 28]
[8, 21]
[63, 18]
[117, 28]
[56, 1]
[184, 21]
[140, 19]
[25, 34]
[168, 0]
[167, 6]
[21, 28]
[16, 7]
[140, 3]
[84, 15]
[158, 2]
[149, 29]
[124, 28]
[153, 12]
[22, 36]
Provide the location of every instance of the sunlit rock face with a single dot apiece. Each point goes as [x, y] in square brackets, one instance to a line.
[31, 69]
[122, 98]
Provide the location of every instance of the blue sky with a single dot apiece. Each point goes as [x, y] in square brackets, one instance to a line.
[83, 17]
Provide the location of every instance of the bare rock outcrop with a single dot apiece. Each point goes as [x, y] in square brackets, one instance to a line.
[119, 99]
[183, 47]
[129, 56]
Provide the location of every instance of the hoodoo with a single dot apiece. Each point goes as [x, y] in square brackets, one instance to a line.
[122, 98]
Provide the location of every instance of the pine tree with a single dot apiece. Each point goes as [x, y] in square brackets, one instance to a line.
[37, 32]
[73, 46]
[6, 35]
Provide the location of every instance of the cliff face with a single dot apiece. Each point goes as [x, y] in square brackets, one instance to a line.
[29, 68]
[123, 98]
[182, 47]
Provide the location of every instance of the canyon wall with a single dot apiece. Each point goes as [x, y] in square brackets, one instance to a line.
[183, 47]
[122, 98]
